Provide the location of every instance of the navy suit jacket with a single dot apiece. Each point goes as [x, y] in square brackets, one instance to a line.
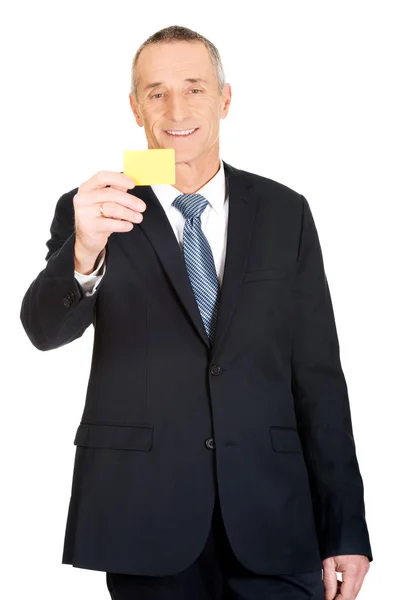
[262, 415]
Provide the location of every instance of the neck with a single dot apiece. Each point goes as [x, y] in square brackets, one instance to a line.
[191, 177]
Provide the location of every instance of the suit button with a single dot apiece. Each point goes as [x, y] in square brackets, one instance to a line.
[210, 443]
[215, 370]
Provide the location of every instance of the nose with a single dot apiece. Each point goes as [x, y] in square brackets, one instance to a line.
[176, 107]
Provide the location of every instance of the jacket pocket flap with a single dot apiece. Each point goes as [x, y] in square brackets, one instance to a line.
[285, 439]
[261, 274]
[121, 437]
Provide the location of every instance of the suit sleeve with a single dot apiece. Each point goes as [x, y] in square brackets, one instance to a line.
[55, 310]
[322, 407]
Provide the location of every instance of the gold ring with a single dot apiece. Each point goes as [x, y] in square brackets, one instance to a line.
[101, 210]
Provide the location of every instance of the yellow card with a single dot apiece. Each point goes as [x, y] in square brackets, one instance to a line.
[150, 167]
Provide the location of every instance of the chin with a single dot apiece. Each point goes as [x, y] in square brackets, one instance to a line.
[192, 153]
[184, 156]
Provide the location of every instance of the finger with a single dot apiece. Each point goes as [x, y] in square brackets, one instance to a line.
[103, 178]
[114, 225]
[118, 197]
[330, 582]
[112, 210]
[101, 196]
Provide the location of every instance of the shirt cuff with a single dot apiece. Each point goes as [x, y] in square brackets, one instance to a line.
[89, 283]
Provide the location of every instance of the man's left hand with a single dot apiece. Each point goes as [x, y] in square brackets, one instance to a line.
[353, 567]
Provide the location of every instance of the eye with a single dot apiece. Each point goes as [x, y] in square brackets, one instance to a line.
[195, 90]
[159, 94]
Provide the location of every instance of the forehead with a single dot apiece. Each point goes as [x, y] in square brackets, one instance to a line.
[175, 59]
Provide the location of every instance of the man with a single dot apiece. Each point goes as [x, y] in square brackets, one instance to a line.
[215, 455]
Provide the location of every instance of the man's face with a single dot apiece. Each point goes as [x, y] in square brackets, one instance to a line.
[178, 100]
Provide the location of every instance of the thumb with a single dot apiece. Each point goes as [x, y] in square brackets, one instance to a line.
[330, 579]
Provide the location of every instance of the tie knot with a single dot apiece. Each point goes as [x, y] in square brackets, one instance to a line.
[190, 205]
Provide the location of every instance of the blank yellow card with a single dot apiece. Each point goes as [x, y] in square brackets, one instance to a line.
[150, 167]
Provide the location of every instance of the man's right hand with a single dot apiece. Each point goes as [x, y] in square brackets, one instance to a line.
[120, 212]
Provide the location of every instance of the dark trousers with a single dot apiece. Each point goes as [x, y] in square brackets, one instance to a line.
[217, 575]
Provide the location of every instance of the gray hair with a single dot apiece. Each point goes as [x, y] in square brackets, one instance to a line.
[175, 33]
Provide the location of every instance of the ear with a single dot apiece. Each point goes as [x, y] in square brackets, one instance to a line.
[226, 100]
[135, 110]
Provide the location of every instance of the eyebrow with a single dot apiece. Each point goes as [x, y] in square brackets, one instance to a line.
[151, 86]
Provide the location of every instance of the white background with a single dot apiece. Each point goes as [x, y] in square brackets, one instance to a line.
[315, 106]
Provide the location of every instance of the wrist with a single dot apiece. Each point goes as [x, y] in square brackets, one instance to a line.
[85, 260]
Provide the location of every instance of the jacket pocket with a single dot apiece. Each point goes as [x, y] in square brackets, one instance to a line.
[261, 274]
[120, 437]
[285, 439]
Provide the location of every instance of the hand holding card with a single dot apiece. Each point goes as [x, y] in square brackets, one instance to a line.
[103, 206]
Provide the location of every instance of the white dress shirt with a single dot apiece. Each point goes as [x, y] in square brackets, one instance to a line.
[214, 224]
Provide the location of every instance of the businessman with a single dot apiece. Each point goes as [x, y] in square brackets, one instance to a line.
[215, 456]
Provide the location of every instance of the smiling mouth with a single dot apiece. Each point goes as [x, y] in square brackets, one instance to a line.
[180, 133]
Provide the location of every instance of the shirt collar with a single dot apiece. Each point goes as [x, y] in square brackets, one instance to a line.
[214, 191]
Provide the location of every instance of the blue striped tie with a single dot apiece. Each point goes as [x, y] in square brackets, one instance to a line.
[199, 260]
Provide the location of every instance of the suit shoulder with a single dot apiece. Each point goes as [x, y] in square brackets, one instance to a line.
[269, 188]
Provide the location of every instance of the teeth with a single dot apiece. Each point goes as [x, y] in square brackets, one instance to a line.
[181, 132]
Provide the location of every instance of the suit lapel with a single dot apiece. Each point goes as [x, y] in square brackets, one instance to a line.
[242, 210]
[156, 227]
